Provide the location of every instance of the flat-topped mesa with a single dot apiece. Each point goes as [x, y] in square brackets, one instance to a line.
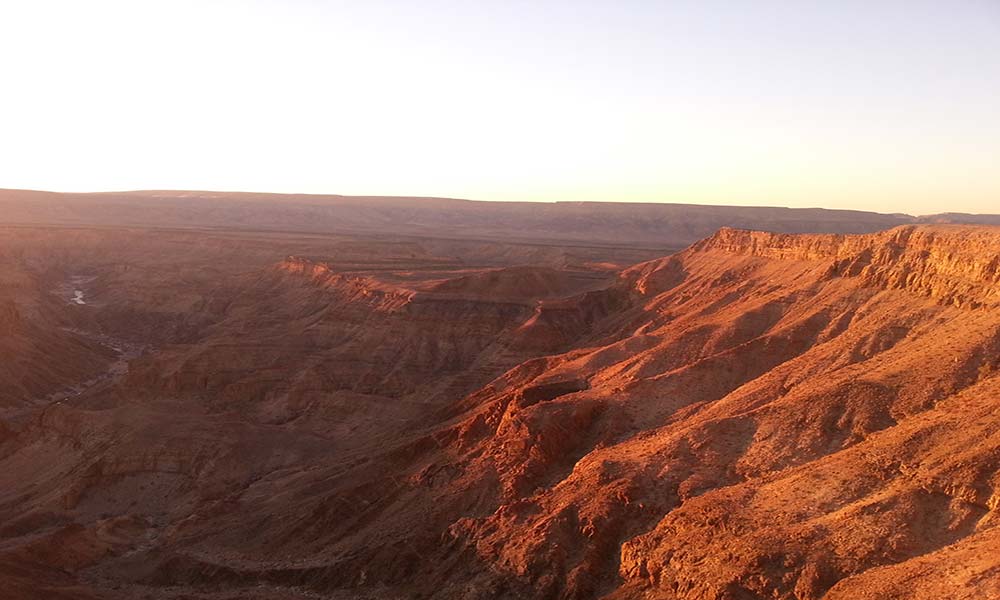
[956, 265]
[322, 275]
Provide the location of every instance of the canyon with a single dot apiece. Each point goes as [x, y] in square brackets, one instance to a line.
[202, 397]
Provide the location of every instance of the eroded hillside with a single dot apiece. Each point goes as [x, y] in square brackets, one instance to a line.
[758, 416]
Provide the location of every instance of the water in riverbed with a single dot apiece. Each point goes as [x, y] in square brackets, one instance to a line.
[73, 290]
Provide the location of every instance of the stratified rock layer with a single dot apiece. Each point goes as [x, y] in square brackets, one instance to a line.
[758, 416]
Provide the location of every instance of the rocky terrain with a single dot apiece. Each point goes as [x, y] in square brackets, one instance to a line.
[258, 414]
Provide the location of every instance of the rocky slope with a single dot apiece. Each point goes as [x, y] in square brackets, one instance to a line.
[759, 416]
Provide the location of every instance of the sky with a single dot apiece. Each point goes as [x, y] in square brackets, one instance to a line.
[886, 105]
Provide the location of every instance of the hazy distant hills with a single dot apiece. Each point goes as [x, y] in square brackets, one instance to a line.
[669, 225]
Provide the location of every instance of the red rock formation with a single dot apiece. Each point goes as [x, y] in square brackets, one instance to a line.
[758, 416]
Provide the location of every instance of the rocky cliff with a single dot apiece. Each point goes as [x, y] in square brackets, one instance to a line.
[758, 416]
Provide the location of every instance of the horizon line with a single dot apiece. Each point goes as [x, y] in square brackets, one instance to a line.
[456, 199]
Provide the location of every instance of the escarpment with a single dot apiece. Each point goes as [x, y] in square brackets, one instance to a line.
[302, 328]
[350, 288]
[953, 264]
[744, 362]
[759, 415]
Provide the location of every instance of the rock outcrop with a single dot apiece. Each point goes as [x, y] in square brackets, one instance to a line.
[955, 265]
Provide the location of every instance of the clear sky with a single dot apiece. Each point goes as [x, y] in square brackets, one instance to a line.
[888, 105]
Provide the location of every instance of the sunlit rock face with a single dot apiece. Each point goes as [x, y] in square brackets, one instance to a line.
[289, 416]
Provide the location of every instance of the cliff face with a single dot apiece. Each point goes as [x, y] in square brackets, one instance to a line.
[349, 288]
[955, 265]
[758, 416]
[301, 330]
